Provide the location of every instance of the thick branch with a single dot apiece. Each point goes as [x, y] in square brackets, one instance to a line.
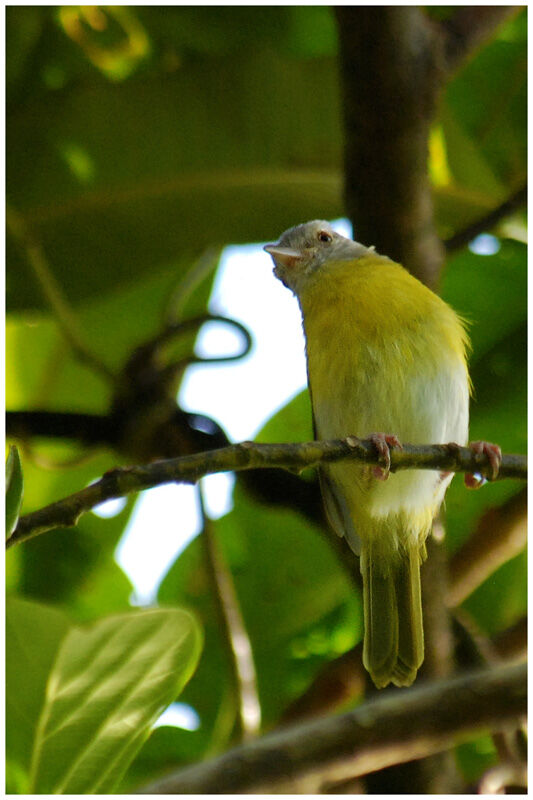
[406, 725]
[189, 469]
[469, 28]
[390, 70]
[88, 428]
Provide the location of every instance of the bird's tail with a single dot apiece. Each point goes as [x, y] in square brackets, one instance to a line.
[393, 647]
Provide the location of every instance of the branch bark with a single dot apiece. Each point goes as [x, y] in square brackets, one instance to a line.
[408, 724]
[188, 469]
[391, 74]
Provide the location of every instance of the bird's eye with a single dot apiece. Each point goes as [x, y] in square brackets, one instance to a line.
[324, 236]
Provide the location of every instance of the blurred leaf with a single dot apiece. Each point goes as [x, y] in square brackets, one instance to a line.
[468, 165]
[293, 423]
[109, 683]
[14, 489]
[502, 599]
[23, 28]
[164, 199]
[43, 373]
[68, 565]
[484, 120]
[491, 292]
[476, 757]
[277, 561]
[77, 569]
[33, 636]
[488, 96]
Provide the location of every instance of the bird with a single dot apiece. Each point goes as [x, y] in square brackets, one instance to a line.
[386, 360]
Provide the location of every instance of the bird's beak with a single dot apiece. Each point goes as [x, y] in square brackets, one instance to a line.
[284, 256]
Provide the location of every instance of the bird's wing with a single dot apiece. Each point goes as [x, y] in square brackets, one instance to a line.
[335, 504]
[337, 510]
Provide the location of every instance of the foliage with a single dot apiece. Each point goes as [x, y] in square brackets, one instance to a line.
[85, 705]
[136, 138]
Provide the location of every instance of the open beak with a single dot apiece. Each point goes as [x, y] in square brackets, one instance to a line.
[284, 256]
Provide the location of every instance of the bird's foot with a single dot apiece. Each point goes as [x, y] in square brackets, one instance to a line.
[494, 454]
[383, 443]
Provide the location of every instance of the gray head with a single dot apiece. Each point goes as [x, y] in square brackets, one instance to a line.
[302, 250]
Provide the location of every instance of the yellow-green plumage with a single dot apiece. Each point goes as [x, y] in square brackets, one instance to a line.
[387, 355]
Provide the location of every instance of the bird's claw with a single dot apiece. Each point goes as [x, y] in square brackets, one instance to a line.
[494, 455]
[383, 443]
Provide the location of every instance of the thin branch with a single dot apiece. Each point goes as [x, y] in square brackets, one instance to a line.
[233, 630]
[469, 28]
[487, 222]
[500, 535]
[53, 294]
[248, 455]
[406, 725]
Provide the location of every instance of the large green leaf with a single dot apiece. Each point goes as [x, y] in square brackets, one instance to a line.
[108, 685]
[120, 178]
[33, 635]
[157, 190]
[488, 98]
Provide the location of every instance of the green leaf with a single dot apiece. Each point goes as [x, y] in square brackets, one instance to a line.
[292, 423]
[109, 683]
[161, 193]
[476, 757]
[33, 635]
[14, 489]
[299, 606]
[502, 599]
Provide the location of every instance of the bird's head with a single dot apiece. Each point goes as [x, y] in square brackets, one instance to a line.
[304, 249]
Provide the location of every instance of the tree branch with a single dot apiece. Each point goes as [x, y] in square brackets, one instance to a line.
[469, 28]
[462, 238]
[391, 78]
[406, 725]
[248, 455]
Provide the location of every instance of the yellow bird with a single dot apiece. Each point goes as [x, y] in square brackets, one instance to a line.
[386, 359]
